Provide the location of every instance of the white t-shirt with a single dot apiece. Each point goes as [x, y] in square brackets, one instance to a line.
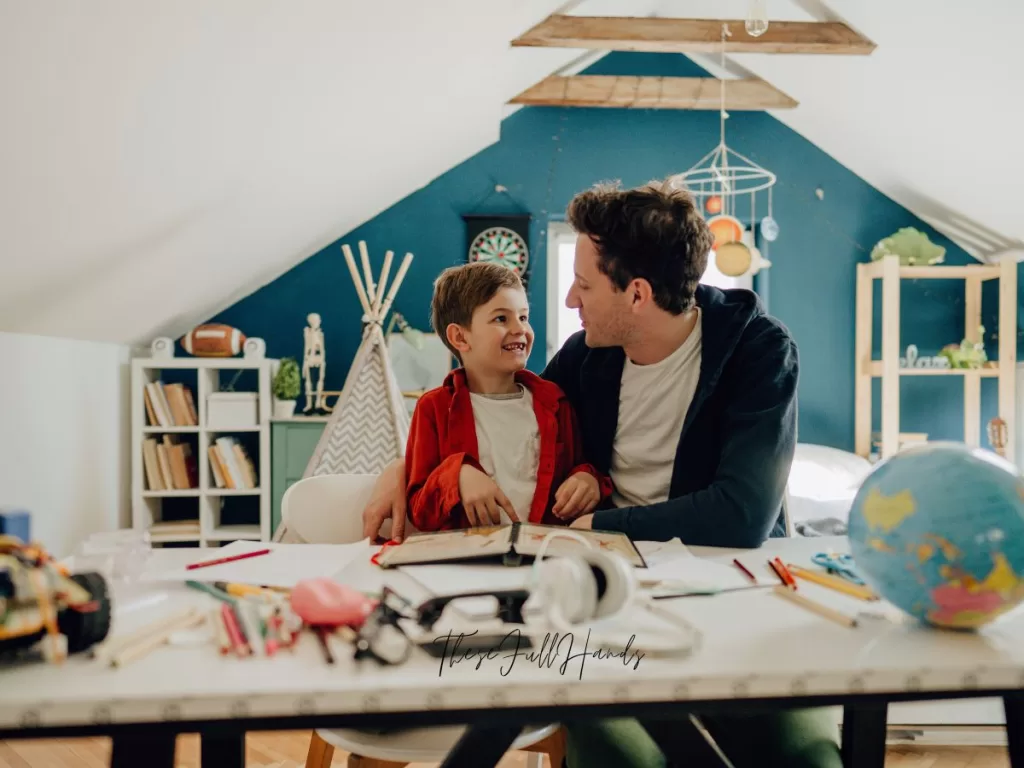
[508, 439]
[653, 401]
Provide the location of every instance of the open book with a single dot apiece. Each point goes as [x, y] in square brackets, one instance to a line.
[508, 544]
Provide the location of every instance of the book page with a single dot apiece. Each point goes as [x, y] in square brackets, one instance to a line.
[531, 535]
[465, 543]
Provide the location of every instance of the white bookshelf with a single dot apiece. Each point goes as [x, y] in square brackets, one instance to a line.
[208, 504]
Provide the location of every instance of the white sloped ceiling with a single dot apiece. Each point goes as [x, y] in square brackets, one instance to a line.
[160, 159]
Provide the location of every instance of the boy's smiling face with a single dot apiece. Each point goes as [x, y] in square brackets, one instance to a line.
[500, 337]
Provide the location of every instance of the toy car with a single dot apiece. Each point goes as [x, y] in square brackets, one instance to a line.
[39, 598]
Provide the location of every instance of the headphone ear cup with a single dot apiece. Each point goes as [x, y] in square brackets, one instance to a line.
[568, 585]
[614, 578]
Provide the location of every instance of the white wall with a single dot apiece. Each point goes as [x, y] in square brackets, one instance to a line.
[64, 436]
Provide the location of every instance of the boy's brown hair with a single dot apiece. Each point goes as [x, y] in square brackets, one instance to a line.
[458, 291]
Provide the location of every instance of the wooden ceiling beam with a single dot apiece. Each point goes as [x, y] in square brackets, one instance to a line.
[662, 35]
[627, 92]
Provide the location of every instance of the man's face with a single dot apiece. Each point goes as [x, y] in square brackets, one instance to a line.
[604, 310]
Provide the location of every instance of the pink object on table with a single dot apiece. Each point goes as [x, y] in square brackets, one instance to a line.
[325, 602]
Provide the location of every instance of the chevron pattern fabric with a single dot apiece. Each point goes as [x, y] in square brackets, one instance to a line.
[362, 434]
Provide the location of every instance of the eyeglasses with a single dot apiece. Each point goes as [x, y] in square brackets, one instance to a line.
[380, 637]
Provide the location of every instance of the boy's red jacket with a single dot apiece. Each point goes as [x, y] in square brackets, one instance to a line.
[442, 437]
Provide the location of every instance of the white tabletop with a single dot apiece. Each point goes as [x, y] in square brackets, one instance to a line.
[753, 644]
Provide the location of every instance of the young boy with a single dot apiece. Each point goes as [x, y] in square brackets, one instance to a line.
[495, 442]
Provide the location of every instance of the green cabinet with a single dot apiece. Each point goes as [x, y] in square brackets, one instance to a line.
[292, 442]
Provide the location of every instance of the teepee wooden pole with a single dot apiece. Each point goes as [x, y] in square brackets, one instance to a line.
[355, 278]
[383, 281]
[386, 306]
[371, 290]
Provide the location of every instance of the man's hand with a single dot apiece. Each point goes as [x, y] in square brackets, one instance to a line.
[481, 497]
[586, 522]
[578, 495]
[388, 500]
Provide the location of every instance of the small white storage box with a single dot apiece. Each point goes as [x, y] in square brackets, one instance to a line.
[232, 410]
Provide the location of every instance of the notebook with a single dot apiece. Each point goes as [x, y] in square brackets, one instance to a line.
[508, 544]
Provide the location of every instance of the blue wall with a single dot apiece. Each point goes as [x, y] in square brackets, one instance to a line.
[545, 155]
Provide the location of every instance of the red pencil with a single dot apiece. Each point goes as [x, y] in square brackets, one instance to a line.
[785, 575]
[743, 568]
[231, 559]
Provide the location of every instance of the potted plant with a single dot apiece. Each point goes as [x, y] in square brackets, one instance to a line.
[286, 388]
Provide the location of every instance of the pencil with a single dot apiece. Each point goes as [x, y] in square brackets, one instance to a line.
[777, 573]
[833, 582]
[785, 575]
[321, 635]
[230, 559]
[224, 597]
[156, 639]
[815, 607]
[746, 572]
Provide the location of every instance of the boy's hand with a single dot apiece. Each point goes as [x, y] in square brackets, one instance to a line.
[481, 498]
[578, 495]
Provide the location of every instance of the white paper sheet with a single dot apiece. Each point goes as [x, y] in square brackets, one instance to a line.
[656, 552]
[284, 566]
[457, 579]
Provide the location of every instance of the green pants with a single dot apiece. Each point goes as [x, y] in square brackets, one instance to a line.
[794, 738]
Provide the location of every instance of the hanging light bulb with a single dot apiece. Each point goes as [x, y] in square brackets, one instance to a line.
[757, 18]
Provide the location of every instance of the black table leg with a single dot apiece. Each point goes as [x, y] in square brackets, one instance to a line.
[151, 749]
[222, 748]
[1013, 706]
[482, 746]
[864, 729]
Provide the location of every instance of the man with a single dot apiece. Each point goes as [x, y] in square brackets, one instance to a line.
[685, 396]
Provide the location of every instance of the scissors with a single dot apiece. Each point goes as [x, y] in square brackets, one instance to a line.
[841, 564]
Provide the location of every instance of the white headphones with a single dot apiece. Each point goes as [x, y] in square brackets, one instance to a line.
[568, 590]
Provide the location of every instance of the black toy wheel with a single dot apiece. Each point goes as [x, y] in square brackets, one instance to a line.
[86, 629]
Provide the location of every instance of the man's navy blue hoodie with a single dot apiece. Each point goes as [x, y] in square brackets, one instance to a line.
[739, 435]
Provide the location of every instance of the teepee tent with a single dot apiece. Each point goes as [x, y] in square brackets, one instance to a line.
[369, 423]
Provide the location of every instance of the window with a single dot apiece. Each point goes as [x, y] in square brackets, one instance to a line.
[562, 321]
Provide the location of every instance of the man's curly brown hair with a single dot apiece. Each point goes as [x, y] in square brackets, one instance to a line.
[654, 232]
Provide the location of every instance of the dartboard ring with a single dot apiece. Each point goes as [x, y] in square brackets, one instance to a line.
[500, 245]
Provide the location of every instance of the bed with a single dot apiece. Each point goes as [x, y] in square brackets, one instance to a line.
[822, 484]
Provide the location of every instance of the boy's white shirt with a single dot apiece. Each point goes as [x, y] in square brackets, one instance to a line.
[653, 401]
[508, 440]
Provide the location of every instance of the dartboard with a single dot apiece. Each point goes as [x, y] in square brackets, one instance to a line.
[501, 246]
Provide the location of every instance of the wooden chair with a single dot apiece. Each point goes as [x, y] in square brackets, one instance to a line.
[327, 509]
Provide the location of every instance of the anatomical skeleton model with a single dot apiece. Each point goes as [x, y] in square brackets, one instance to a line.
[314, 357]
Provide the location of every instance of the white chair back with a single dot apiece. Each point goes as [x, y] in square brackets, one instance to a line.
[327, 509]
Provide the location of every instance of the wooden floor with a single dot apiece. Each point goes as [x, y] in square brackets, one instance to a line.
[287, 749]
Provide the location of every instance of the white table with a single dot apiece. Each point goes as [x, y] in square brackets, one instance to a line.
[757, 651]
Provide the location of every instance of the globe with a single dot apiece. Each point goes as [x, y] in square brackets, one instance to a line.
[938, 531]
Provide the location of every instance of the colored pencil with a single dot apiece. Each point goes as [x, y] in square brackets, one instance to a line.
[321, 635]
[834, 582]
[746, 572]
[224, 597]
[785, 575]
[231, 559]
[815, 607]
[777, 573]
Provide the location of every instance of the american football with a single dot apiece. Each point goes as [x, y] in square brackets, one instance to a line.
[213, 340]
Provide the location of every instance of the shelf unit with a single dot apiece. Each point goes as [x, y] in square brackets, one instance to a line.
[224, 514]
[889, 271]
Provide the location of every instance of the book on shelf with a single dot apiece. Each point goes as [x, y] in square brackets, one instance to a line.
[175, 528]
[169, 464]
[231, 465]
[170, 405]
